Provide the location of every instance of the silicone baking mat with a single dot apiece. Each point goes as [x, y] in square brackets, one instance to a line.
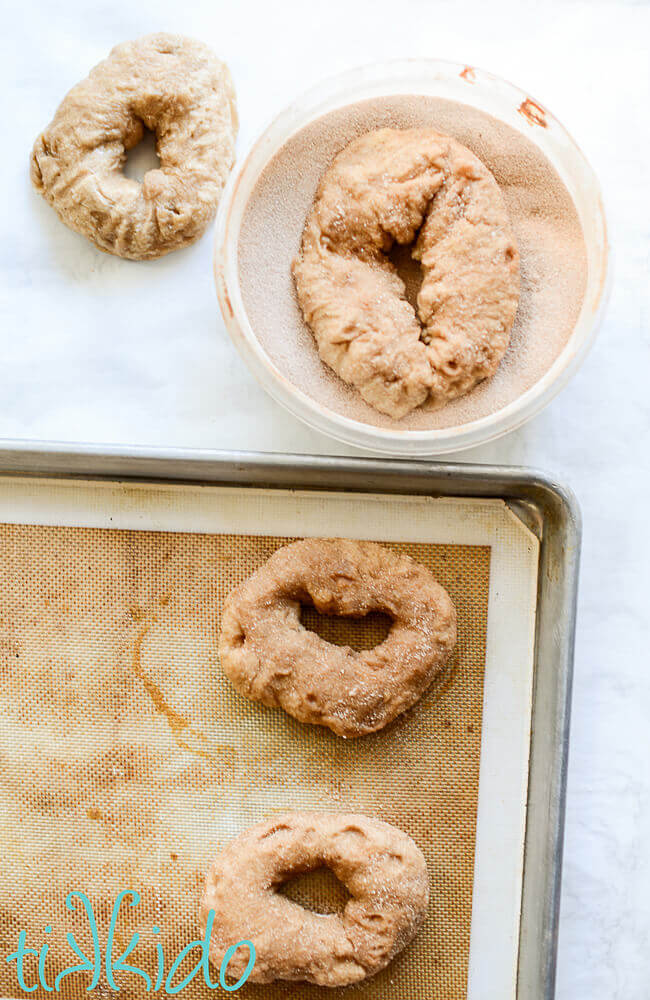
[127, 758]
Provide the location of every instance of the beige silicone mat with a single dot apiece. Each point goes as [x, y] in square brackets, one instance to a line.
[127, 759]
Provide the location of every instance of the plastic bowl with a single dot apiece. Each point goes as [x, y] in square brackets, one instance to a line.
[454, 82]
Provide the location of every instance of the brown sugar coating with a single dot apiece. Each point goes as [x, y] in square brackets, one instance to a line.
[177, 88]
[271, 657]
[382, 868]
[390, 186]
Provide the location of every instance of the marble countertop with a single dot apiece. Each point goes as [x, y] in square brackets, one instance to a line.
[100, 350]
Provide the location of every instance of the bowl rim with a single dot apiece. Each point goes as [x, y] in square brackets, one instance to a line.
[306, 107]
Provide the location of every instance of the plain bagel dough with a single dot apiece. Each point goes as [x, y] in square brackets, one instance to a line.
[271, 657]
[391, 186]
[178, 89]
[382, 868]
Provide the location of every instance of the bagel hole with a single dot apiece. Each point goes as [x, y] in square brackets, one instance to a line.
[319, 891]
[409, 270]
[359, 633]
[238, 640]
[142, 157]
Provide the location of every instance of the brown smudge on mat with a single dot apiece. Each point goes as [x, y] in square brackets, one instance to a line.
[468, 74]
[127, 758]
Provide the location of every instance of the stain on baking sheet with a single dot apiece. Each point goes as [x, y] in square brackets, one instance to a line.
[128, 759]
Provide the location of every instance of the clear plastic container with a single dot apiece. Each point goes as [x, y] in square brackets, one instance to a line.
[457, 83]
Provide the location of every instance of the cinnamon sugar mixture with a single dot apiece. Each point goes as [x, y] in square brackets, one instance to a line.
[543, 217]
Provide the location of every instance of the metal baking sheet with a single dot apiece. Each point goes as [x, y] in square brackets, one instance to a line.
[545, 508]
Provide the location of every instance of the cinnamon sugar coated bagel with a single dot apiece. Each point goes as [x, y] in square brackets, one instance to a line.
[396, 186]
[177, 88]
[271, 657]
[382, 868]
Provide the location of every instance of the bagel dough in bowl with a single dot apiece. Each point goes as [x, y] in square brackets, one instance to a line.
[179, 90]
[542, 216]
[404, 186]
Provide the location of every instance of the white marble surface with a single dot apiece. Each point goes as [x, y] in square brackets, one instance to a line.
[102, 350]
